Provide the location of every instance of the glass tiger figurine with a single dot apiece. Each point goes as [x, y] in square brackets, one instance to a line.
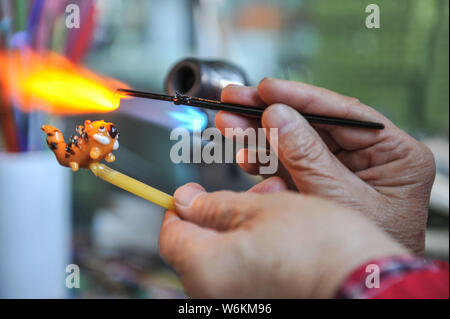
[92, 143]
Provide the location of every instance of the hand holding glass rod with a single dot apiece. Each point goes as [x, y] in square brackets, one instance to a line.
[240, 109]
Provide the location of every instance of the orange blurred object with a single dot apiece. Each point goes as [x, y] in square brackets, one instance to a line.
[50, 82]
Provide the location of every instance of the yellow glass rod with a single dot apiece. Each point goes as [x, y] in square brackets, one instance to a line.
[133, 186]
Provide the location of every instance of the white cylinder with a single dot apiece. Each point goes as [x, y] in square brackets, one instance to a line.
[35, 226]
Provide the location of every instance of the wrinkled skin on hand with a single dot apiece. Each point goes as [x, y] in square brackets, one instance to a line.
[272, 245]
[385, 174]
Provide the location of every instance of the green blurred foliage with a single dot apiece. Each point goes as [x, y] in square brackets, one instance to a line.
[400, 69]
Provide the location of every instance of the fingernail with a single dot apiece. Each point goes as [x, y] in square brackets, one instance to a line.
[231, 86]
[185, 195]
[278, 115]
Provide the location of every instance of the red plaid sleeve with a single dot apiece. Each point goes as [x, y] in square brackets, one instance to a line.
[398, 278]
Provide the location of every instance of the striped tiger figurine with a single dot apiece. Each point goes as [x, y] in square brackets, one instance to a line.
[92, 143]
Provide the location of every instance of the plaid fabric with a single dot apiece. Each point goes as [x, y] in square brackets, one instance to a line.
[399, 277]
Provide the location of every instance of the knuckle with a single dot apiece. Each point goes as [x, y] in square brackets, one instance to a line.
[307, 149]
[427, 153]
[230, 215]
[420, 162]
[352, 104]
[265, 83]
[202, 207]
[224, 95]
[353, 101]
[226, 210]
[214, 209]
[427, 159]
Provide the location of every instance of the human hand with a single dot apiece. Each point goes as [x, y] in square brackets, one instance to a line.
[386, 174]
[278, 245]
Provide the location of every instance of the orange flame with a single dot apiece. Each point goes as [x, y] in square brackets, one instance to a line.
[52, 83]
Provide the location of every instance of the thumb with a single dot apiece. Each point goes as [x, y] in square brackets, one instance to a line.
[303, 153]
[223, 210]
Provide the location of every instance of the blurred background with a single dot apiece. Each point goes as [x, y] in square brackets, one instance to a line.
[51, 217]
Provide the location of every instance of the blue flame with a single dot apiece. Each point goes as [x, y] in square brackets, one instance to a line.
[188, 115]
